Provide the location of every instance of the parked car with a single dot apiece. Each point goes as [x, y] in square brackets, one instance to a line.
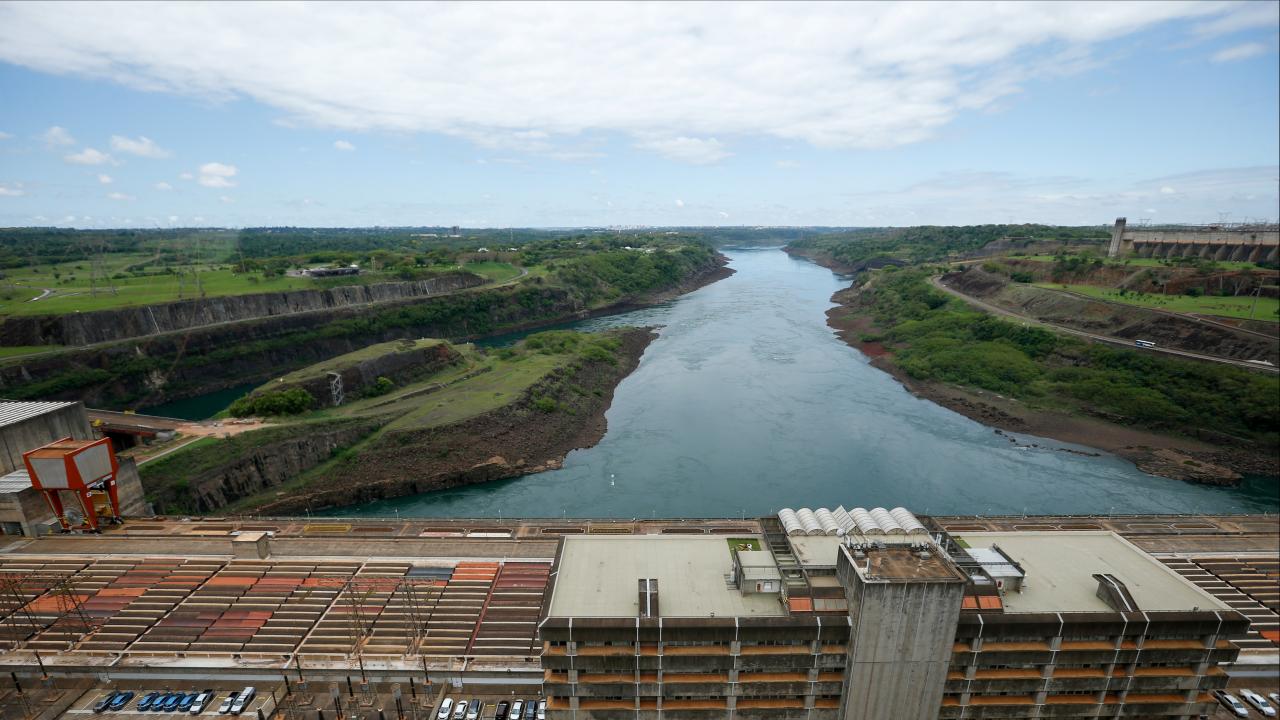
[184, 705]
[473, 710]
[1231, 703]
[1275, 698]
[225, 707]
[157, 705]
[1258, 702]
[104, 702]
[531, 710]
[446, 707]
[460, 710]
[171, 705]
[504, 708]
[121, 699]
[517, 707]
[242, 702]
[542, 709]
[202, 701]
[145, 703]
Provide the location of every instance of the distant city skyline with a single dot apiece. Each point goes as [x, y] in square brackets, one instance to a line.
[566, 115]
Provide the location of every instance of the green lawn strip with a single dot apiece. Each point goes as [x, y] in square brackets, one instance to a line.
[351, 359]
[505, 383]
[1232, 307]
[17, 350]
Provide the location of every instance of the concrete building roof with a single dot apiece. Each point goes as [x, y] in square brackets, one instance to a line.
[597, 576]
[14, 412]
[1060, 565]
[815, 550]
[14, 482]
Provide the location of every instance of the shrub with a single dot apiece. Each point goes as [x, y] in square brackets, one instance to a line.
[282, 402]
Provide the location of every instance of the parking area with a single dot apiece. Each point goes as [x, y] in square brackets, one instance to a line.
[150, 692]
[1264, 688]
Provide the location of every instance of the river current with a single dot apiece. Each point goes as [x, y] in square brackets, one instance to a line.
[747, 403]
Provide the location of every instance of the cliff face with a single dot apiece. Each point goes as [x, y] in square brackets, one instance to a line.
[516, 439]
[398, 366]
[260, 469]
[76, 329]
[154, 369]
[151, 370]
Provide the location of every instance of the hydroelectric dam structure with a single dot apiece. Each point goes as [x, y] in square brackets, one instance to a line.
[1237, 243]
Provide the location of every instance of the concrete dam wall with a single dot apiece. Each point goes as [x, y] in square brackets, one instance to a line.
[78, 329]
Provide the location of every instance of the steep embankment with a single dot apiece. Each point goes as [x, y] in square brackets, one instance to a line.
[150, 370]
[88, 328]
[1180, 419]
[1115, 319]
[395, 448]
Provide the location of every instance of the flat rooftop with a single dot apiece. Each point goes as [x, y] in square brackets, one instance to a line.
[597, 578]
[1060, 566]
[815, 550]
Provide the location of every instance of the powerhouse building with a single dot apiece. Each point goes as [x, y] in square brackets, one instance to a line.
[869, 615]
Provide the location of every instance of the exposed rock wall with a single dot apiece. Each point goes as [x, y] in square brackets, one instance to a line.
[399, 367]
[76, 329]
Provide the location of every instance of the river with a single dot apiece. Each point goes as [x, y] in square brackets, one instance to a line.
[748, 402]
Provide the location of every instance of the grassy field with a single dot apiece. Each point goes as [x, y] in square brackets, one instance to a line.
[15, 350]
[1232, 307]
[71, 289]
[343, 362]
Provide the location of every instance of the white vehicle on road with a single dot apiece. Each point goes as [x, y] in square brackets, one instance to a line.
[446, 707]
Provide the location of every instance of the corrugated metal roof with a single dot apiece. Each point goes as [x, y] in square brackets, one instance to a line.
[12, 413]
[14, 482]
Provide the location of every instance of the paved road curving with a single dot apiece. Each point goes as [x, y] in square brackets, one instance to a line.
[997, 310]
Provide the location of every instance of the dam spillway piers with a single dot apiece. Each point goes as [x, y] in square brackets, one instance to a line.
[1254, 243]
[744, 617]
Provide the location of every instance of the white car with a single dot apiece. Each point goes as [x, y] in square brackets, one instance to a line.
[542, 709]
[1275, 697]
[226, 704]
[1229, 701]
[1258, 702]
[516, 707]
[446, 707]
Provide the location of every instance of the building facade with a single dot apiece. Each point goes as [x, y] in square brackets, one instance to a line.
[877, 623]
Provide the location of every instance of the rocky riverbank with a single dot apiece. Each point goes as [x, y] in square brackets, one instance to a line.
[1204, 461]
[562, 412]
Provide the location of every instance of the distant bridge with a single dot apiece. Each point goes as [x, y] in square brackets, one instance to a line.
[1245, 243]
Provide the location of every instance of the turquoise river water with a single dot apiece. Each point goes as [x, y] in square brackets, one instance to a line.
[748, 402]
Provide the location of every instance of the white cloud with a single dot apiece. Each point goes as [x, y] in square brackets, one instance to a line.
[186, 176]
[104, 179]
[173, 219]
[142, 147]
[69, 219]
[343, 145]
[5, 135]
[1166, 190]
[119, 196]
[853, 75]
[226, 199]
[787, 164]
[163, 186]
[217, 175]
[88, 156]
[12, 190]
[1239, 52]
[57, 137]
[688, 149]
[722, 214]
[679, 202]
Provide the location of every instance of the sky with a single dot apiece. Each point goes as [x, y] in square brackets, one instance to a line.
[579, 114]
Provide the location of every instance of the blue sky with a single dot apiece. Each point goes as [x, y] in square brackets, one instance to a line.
[119, 115]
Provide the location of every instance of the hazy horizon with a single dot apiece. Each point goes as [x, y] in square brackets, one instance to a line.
[655, 114]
